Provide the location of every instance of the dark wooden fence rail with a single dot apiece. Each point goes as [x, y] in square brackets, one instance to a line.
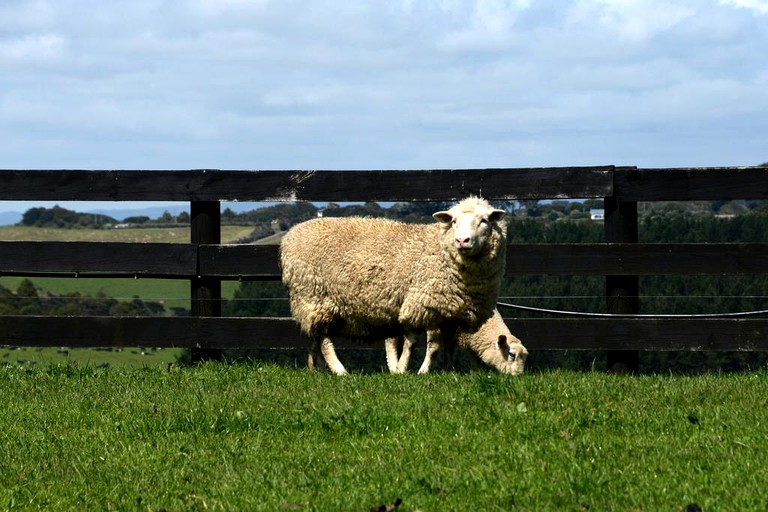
[205, 261]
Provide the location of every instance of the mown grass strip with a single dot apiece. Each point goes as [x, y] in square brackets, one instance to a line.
[260, 437]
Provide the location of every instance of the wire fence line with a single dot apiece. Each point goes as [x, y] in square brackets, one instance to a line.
[583, 314]
[285, 299]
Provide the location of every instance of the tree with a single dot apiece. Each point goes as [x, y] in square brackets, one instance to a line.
[140, 219]
[259, 298]
[26, 289]
[227, 216]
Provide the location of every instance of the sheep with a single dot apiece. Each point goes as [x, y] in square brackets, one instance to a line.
[492, 343]
[372, 279]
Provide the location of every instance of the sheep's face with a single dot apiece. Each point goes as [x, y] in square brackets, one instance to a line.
[470, 223]
[514, 356]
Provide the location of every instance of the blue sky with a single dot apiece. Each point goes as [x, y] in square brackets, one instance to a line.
[358, 84]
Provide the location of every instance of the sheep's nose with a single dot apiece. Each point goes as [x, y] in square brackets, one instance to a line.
[462, 242]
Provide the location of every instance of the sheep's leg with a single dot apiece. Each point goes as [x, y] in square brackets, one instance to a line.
[449, 351]
[331, 359]
[315, 360]
[410, 339]
[390, 346]
[475, 361]
[434, 341]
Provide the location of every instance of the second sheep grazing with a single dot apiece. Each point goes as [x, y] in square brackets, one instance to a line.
[372, 279]
[492, 343]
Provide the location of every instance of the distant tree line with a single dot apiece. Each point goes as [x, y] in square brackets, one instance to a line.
[58, 217]
[62, 218]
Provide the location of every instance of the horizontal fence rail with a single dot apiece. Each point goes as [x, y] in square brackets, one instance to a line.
[206, 262]
[625, 183]
[228, 261]
[216, 185]
[284, 333]
[707, 184]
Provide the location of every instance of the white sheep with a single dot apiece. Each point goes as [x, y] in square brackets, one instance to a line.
[371, 279]
[492, 343]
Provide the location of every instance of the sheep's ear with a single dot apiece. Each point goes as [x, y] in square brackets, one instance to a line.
[444, 217]
[496, 215]
[503, 345]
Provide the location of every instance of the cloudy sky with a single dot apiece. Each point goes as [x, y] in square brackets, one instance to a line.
[358, 84]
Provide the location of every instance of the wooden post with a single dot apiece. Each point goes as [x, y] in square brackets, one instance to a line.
[205, 218]
[621, 291]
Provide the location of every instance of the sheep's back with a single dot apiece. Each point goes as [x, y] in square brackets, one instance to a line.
[353, 270]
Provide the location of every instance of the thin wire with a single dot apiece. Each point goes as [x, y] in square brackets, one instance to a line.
[671, 297]
[625, 315]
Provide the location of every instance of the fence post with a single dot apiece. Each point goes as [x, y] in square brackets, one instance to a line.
[205, 293]
[621, 291]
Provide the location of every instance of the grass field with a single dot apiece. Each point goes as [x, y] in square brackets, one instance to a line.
[254, 437]
[130, 356]
[170, 293]
[180, 235]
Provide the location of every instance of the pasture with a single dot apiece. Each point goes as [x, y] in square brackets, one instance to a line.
[92, 357]
[229, 234]
[262, 437]
[172, 293]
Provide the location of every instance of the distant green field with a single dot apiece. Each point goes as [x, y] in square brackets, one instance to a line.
[180, 235]
[131, 356]
[171, 293]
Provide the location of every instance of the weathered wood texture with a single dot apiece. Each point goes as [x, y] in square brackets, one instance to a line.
[621, 290]
[625, 183]
[695, 184]
[99, 259]
[205, 291]
[221, 333]
[642, 334]
[215, 185]
[204, 262]
[105, 259]
[188, 332]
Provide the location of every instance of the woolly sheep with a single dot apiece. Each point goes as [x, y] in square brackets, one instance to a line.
[371, 279]
[492, 343]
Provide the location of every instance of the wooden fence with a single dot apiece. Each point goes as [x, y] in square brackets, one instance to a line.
[205, 262]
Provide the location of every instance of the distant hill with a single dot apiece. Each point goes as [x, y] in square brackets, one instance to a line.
[152, 212]
[10, 218]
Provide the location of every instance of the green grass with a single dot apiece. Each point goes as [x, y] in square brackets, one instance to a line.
[129, 356]
[255, 437]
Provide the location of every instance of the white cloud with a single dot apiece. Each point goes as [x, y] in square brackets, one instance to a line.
[631, 20]
[481, 25]
[759, 6]
[30, 49]
[355, 84]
